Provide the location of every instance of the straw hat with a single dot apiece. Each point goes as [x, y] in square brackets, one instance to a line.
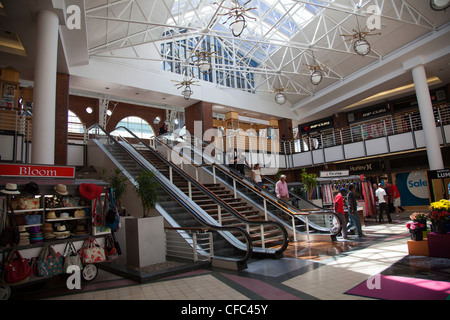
[81, 230]
[51, 215]
[61, 232]
[10, 188]
[64, 215]
[61, 189]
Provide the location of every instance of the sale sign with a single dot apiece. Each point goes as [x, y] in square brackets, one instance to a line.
[27, 170]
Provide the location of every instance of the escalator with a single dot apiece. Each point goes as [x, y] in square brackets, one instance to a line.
[178, 210]
[304, 220]
[269, 238]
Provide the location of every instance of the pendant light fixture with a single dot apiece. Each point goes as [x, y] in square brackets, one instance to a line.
[238, 13]
[316, 71]
[439, 5]
[187, 91]
[360, 45]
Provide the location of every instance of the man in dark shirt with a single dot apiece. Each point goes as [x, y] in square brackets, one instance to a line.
[353, 210]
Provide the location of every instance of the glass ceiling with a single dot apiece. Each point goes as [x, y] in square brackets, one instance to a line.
[278, 20]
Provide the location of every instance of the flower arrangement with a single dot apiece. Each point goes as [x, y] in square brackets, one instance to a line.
[439, 211]
[415, 227]
[418, 216]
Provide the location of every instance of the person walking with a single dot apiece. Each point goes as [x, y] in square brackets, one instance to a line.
[382, 203]
[394, 196]
[281, 189]
[257, 175]
[353, 210]
[339, 208]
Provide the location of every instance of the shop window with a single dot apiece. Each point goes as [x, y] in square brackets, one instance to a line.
[137, 125]
[74, 123]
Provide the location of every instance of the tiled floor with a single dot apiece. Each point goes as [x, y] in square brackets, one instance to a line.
[313, 271]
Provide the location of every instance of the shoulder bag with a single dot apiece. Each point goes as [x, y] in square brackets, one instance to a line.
[112, 216]
[16, 271]
[71, 257]
[49, 262]
[10, 233]
[92, 252]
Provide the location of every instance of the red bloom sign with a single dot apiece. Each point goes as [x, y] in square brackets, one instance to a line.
[27, 170]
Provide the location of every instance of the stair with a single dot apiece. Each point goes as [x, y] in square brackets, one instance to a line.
[272, 235]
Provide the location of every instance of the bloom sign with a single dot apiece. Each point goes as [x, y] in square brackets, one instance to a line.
[26, 170]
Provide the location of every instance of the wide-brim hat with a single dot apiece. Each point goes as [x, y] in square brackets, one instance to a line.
[31, 188]
[81, 230]
[61, 189]
[10, 188]
[90, 191]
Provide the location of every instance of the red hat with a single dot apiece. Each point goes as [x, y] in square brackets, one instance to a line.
[90, 191]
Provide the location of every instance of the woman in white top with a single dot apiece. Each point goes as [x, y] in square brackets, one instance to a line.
[257, 176]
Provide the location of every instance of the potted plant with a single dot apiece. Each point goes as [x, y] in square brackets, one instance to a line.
[145, 239]
[117, 181]
[419, 217]
[415, 229]
[309, 181]
[146, 190]
[439, 216]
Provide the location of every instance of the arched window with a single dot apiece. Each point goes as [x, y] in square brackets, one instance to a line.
[137, 125]
[74, 123]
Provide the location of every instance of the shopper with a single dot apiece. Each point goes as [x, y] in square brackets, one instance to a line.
[163, 129]
[241, 162]
[339, 208]
[281, 189]
[353, 210]
[382, 202]
[394, 197]
[257, 175]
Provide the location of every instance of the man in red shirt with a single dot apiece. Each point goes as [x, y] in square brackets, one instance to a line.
[394, 197]
[339, 208]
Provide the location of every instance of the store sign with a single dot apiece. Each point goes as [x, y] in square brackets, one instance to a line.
[369, 113]
[439, 174]
[369, 166]
[316, 126]
[328, 174]
[413, 188]
[26, 171]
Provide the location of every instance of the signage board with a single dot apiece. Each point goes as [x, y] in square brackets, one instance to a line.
[36, 171]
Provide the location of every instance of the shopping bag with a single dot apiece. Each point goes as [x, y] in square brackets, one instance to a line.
[49, 262]
[16, 270]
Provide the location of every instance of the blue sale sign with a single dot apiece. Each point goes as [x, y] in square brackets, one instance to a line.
[413, 188]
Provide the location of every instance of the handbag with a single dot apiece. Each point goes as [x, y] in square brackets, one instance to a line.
[92, 252]
[112, 216]
[16, 271]
[98, 215]
[71, 258]
[111, 252]
[10, 233]
[49, 262]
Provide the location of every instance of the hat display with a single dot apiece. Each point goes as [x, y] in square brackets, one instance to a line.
[90, 191]
[61, 232]
[24, 239]
[61, 189]
[51, 215]
[47, 230]
[35, 235]
[10, 188]
[80, 230]
[31, 188]
[64, 215]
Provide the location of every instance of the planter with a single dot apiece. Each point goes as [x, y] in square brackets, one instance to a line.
[418, 236]
[439, 227]
[145, 241]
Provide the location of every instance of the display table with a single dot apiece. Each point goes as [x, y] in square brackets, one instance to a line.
[439, 245]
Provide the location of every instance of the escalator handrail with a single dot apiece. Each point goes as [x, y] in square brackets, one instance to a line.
[295, 213]
[181, 201]
[213, 196]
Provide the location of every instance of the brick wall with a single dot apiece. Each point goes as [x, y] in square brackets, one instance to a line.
[61, 108]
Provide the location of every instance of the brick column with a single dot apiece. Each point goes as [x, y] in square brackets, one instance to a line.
[61, 118]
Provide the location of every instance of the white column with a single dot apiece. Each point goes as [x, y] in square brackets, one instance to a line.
[44, 95]
[426, 114]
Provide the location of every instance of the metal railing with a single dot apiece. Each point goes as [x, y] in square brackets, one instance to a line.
[222, 206]
[382, 127]
[195, 244]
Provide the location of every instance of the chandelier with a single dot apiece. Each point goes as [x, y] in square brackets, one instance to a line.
[360, 45]
[187, 91]
[238, 13]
